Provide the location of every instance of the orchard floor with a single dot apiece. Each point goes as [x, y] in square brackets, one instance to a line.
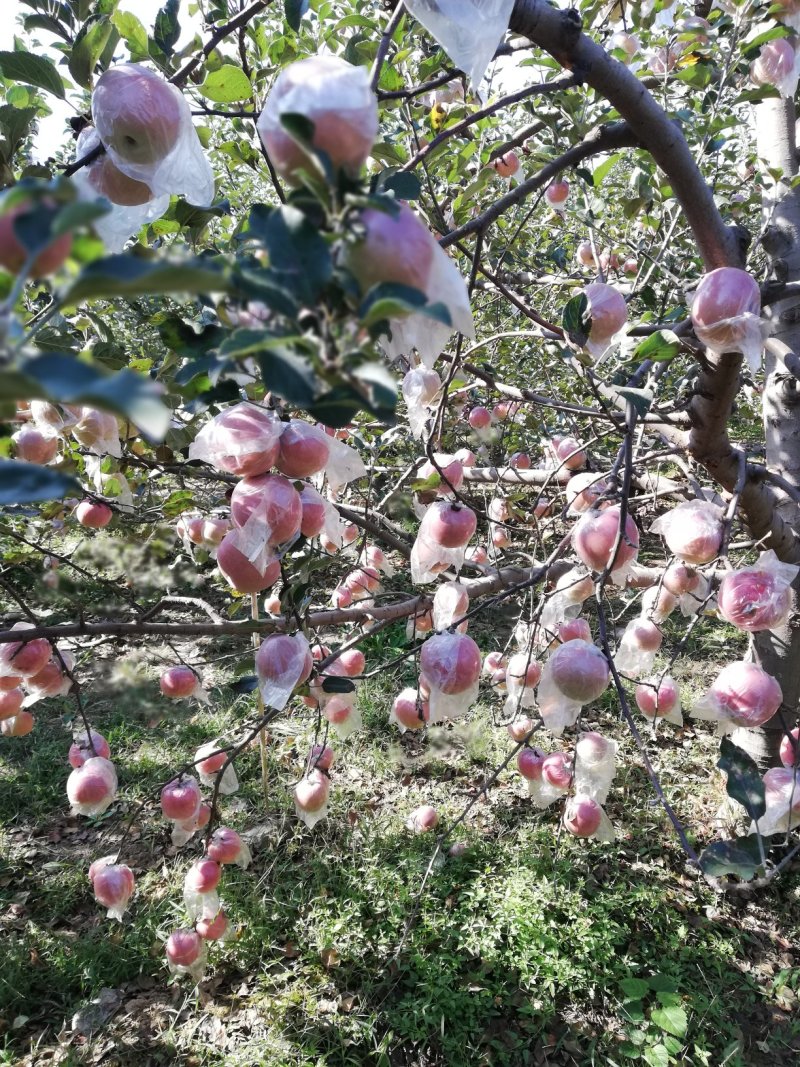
[530, 948]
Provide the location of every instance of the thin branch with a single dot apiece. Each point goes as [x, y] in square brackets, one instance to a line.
[539, 89]
[385, 42]
[218, 35]
[606, 138]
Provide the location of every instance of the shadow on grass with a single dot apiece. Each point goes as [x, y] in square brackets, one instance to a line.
[518, 954]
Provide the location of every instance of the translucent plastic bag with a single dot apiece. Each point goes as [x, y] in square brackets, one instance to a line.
[123, 221]
[337, 98]
[450, 605]
[637, 649]
[782, 796]
[420, 388]
[742, 695]
[427, 335]
[693, 530]
[429, 556]
[146, 127]
[468, 30]
[595, 765]
[726, 314]
[760, 597]
[778, 64]
[522, 676]
[282, 662]
[242, 439]
[451, 666]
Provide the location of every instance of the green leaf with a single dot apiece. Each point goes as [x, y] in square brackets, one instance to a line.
[672, 1019]
[658, 347]
[740, 857]
[404, 184]
[132, 32]
[575, 321]
[604, 169]
[15, 122]
[295, 9]
[34, 228]
[248, 683]
[32, 69]
[249, 342]
[656, 1056]
[634, 988]
[745, 783]
[167, 29]
[79, 213]
[336, 408]
[66, 380]
[87, 49]
[290, 376]
[390, 300]
[226, 84]
[266, 285]
[642, 399]
[426, 485]
[124, 275]
[297, 252]
[178, 502]
[381, 386]
[25, 483]
[662, 983]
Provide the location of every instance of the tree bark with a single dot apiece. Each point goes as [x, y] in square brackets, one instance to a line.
[779, 654]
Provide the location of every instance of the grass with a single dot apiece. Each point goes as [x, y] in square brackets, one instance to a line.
[529, 948]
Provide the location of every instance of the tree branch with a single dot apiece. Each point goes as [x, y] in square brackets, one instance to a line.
[606, 138]
[506, 101]
[180, 77]
[559, 33]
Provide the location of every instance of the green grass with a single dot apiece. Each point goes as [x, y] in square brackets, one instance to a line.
[529, 948]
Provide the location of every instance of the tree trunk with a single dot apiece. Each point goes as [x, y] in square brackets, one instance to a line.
[779, 654]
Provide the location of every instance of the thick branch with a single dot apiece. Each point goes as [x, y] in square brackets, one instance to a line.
[507, 578]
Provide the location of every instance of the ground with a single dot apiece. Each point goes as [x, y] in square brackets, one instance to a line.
[529, 948]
